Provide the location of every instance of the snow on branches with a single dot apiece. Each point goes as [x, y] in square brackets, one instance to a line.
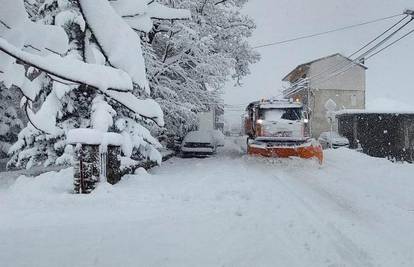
[82, 72]
[190, 61]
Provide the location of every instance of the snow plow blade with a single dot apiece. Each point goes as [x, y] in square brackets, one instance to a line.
[306, 151]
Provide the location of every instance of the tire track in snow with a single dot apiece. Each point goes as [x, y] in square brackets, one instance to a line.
[346, 249]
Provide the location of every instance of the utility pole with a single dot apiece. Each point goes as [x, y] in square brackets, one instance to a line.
[409, 12]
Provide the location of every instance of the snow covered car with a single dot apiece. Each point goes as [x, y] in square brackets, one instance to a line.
[201, 143]
[325, 139]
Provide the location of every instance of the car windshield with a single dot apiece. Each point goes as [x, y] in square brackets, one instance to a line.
[291, 114]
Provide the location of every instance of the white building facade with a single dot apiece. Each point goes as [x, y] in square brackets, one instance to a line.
[333, 77]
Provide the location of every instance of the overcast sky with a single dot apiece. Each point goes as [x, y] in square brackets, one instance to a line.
[389, 75]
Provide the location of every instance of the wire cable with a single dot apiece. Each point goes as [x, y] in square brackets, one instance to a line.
[326, 32]
[379, 51]
[391, 44]
[379, 36]
[335, 67]
[355, 61]
[362, 56]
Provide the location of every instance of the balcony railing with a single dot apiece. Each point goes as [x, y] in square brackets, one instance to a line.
[296, 86]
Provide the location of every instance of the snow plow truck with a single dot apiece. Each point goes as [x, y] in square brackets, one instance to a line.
[280, 128]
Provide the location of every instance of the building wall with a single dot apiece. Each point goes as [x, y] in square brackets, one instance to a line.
[344, 99]
[352, 79]
[346, 89]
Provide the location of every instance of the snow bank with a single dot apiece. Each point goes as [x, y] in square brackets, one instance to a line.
[48, 184]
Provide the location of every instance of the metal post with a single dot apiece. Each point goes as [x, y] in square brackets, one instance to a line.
[330, 138]
[82, 178]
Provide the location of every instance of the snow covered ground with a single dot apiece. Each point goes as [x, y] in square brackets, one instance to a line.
[228, 210]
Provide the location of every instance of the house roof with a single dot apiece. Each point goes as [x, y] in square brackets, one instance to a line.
[307, 64]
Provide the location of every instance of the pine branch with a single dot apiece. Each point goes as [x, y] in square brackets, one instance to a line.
[60, 76]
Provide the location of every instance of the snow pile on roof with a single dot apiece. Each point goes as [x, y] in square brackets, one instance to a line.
[278, 103]
[381, 105]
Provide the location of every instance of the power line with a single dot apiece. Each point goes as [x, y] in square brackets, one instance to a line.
[326, 32]
[366, 55]
[335, 67]
[379, 36]
[357, 60]
[338, 69]
[367, 45]
[391, 44]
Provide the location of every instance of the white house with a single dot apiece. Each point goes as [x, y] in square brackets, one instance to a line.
[333, 77]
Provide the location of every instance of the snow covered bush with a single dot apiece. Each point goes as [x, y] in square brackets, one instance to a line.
[79, 64]
[189, 61]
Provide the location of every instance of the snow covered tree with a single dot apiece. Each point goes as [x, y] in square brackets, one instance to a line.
[11, 119]
[190, 61]
[89, 75]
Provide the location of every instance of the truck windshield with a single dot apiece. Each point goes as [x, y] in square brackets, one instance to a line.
[292, 114]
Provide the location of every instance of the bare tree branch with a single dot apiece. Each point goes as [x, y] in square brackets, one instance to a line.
[220, 2]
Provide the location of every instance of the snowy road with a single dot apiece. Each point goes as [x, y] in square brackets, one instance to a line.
[229, 210]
